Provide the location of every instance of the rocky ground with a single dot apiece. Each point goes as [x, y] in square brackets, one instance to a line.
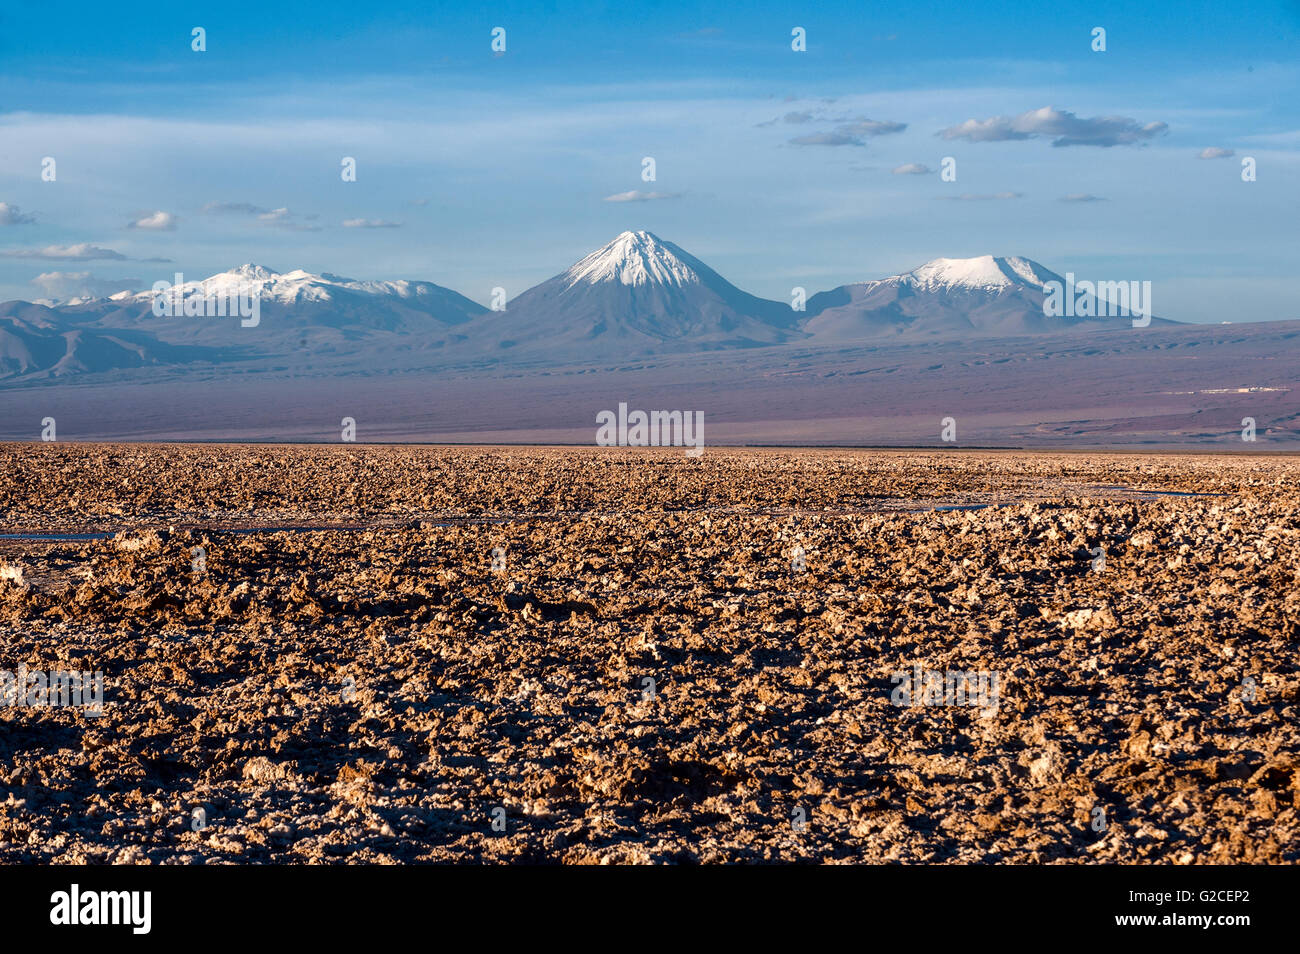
[404, 654]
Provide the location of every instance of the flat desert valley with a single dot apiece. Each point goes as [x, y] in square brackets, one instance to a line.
[1186, 387]
[389, 653]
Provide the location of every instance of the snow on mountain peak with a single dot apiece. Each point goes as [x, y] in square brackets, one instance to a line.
[293, 286]
[251, 271]
[269, 284]
[633, 258]
[985, 273]
[298, 286]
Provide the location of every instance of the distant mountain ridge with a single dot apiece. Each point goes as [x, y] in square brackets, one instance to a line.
[637, 295]
[984, 296]
[35, 339]
[302, 317]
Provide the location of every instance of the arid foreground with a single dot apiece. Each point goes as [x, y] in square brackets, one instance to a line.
[634, 656]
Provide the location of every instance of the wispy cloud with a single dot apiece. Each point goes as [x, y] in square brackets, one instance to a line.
[82, 252]
[850, 134]
[63, 285]
[246, 208]
[981, 196]
[912, 169]
[284, 219]
[12, 215]
[281, 218]
[827, 139]
[1064, 127]
[703, 33]
[1082, 197]
[871, 127]
[637, 196]
[1216, 152]
[370, 224]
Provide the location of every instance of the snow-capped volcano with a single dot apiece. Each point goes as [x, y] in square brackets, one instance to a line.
[985, 273]
[300, 313]
[302, 286]
[986, 296]
[634, 258]
[638, 294]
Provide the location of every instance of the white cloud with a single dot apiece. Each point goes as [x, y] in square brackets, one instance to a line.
[912, 169]
[370, 224]
[1066, 128]
[1216, 152]
[159, 221]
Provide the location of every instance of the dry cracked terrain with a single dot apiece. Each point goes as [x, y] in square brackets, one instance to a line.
[346, 672]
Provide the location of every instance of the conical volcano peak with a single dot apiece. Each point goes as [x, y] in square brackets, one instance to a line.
[984, 272]
[634, 258]
[638, 236]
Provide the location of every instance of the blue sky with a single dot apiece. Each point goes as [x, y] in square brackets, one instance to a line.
[776, 167]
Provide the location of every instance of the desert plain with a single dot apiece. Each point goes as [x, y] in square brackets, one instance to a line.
[401, 654]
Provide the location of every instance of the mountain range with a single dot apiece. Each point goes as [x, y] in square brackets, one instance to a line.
[638, 295]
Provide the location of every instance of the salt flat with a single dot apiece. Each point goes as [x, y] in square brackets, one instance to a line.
[587, 655]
